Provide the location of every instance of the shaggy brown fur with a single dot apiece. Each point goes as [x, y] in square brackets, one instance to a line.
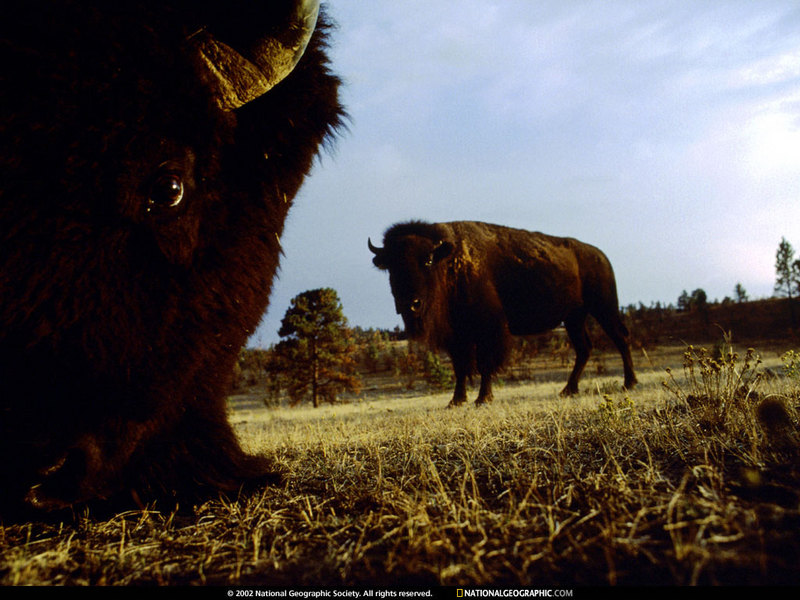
[122, 312]
[467, 287]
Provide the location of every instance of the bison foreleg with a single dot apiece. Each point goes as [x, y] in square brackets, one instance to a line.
[576, 329]
[460, 392]
[485, 394]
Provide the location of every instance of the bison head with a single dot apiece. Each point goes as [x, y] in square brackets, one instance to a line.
[150, 153]
[414, 255]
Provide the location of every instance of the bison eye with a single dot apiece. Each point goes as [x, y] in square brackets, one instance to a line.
[167, 191]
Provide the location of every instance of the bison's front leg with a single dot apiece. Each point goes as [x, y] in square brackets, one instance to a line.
[485, 394]
[462, 355]
[582, 344]
[461, 371]
[460, 392]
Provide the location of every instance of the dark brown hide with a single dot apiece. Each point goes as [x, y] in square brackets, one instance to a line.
[467, 287]
[139, 236]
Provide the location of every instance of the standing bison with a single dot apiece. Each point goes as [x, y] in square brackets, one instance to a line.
[467, 287]
[150, 153]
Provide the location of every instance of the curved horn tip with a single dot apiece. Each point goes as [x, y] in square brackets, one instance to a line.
[374, 249]
[238, 78]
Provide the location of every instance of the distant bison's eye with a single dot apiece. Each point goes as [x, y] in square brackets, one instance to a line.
[167, 191]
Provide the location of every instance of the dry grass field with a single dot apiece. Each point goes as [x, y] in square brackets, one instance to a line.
[695, 482]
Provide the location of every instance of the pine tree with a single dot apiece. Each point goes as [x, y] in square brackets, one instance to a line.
[740, 293]
[317, 352]
[698, 303]
[684, 301]
[787, 271]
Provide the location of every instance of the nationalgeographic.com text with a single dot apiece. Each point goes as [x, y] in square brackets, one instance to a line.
[523, 593]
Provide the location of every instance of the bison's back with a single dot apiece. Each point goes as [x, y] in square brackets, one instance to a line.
[540, 279]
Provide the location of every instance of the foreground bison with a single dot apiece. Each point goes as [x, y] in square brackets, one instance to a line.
[150, 153]
[466, 287]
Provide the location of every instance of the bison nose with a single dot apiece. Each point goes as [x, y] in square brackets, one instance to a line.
[415, 305]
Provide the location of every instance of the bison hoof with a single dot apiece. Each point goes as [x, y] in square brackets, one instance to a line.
[483, 401]
[455, 403]
[568, 392]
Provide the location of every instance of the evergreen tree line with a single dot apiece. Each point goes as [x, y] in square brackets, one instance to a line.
[695, 316]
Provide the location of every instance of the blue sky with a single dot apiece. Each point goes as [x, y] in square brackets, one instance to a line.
[667, 133]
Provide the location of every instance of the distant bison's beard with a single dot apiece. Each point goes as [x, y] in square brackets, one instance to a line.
[414, 326]
[428, 324]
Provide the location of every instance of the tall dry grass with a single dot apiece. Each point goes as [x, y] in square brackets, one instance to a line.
[692, 482]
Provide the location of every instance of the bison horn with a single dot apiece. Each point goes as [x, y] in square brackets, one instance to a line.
[375, 250]
[238, 77]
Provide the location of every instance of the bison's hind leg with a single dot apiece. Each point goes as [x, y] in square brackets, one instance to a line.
[616, 330]
[630, 381]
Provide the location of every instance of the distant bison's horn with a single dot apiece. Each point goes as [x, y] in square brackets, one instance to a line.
[242, 75]
[375, 250]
